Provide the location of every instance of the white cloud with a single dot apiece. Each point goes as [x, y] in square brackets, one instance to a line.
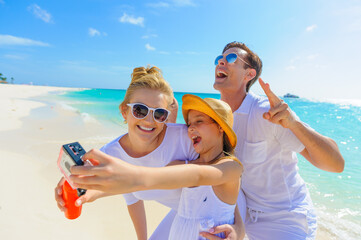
[159, 5]
[311, 28]
[132, 20]
[11, 40]
[93, 32]
[172, 3]
[182, 3]
[14, 57]
[149, 36]
[187, 53]
[40, 13]
[149, 48]
[191, 53]
[290, 68]
[350, 17]
[2, 2]
[349, 11]
[313, 56]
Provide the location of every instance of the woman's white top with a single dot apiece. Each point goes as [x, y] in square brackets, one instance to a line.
[176, 145]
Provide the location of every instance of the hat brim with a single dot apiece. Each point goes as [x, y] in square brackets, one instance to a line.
[193, 102]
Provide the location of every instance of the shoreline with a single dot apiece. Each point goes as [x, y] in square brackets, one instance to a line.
[32, 132]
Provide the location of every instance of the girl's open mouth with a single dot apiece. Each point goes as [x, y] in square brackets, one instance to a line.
[196, 140]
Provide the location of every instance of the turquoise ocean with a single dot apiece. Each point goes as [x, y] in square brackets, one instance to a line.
[336, 196]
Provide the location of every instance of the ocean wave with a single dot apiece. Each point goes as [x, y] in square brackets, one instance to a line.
[67, 107]
[343, 102]
[87, 118]
[64, 91]
[340, 225]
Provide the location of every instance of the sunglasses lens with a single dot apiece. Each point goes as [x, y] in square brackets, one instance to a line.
[217, 59]
[140, 111]
[160, 115]
[231, 58]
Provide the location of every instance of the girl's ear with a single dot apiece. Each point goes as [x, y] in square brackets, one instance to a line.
[220, 129]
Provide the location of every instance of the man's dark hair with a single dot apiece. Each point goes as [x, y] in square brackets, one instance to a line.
[251, 58]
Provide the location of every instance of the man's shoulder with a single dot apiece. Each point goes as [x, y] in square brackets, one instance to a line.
[260, 104]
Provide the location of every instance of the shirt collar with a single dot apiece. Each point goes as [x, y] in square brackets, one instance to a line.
[246, 104]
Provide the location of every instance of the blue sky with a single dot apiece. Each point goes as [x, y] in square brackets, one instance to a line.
[310, 48]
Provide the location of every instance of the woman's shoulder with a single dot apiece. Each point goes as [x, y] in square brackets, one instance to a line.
[176, 130]
[176, 127]
[112, 144]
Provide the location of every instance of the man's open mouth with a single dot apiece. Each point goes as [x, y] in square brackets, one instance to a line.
[221, 74]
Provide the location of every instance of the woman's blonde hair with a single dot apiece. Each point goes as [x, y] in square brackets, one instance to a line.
[149, 78]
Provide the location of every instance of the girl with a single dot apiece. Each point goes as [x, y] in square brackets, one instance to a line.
[209, 124]
[149, 142]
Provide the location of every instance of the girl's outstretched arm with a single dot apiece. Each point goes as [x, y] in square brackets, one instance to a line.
[115, 176]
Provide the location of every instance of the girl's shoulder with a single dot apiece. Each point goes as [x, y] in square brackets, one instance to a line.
[232, 162]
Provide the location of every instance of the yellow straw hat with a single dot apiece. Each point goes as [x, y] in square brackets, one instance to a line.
[218, 110]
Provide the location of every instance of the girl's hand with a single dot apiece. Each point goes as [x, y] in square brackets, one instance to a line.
[111, 175]
[232, 232]
[89, 196]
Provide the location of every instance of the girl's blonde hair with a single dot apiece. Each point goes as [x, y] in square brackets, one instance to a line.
[149, 78]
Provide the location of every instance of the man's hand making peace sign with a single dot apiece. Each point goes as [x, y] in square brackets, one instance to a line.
[279, 113]
[319, 150]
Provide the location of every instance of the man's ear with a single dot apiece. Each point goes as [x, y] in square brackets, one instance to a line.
[251, 73]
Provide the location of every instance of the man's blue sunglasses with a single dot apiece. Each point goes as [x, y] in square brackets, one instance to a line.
[230, 58]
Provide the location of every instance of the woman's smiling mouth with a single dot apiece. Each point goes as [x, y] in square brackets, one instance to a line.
[145, 129]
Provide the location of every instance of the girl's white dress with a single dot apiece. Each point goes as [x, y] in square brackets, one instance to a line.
[199, 210]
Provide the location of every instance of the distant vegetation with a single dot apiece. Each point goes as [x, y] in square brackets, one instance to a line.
[3, 79]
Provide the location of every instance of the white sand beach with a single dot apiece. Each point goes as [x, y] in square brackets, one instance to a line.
[31, 134]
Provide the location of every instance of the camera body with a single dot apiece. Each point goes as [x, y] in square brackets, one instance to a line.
[71, 154]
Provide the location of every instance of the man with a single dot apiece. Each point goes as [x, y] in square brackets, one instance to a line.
[269, 135]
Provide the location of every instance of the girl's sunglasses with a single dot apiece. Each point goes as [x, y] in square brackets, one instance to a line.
[140, 111]
[230, 58]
